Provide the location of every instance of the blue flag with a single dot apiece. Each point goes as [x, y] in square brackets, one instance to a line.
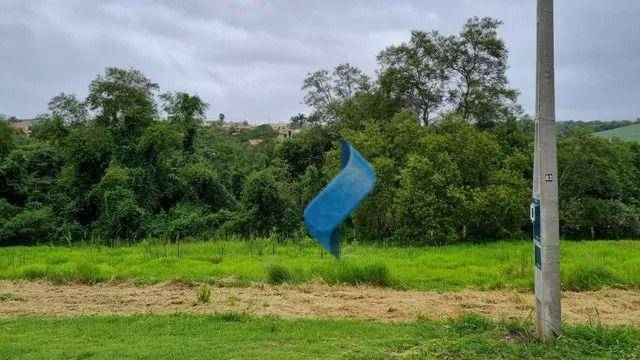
[336, 201]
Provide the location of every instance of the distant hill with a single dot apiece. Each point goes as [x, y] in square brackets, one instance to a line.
[631, 133]
[565, 127]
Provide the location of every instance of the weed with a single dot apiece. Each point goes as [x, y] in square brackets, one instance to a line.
[204, 294]
[232, 300]
[5, 296]
[216, 259]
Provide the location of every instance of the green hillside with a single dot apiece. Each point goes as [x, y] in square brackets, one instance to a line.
[631, 133]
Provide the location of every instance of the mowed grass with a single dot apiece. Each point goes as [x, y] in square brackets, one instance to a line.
[236, 336]
[630, 133]
[587, 265]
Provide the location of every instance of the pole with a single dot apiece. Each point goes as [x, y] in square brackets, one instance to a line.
[545, 187]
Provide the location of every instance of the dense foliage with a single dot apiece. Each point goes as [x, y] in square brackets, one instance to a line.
[439, 123]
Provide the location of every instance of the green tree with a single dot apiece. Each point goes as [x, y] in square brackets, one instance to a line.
[414, 73]
[187, 111]
[7, 137]
[325, 90]
[598, 181]
[68, 108]
[124, 102]
[478, 62]
[262, 199]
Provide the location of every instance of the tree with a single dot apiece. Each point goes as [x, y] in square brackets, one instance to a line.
[123, 99]
[221, 118]
[7, 137]
[415, 74]
[325, 91]
[263, 201]
[478, 62]
[68, 108]
[298, 121]
[158, 141]
[188, 111]
[597, 179]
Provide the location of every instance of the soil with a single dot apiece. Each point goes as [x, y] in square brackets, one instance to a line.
[611, 307]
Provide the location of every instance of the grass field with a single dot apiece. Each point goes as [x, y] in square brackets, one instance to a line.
[585, 265]
[631, 132]
[234, 336]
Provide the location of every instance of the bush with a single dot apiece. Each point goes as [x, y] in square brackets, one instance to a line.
[189, 220]
[278, 274]
[31, 226]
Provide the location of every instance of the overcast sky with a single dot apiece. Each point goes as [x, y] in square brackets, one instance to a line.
[248, 58]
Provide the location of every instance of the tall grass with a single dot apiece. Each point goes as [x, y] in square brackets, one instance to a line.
[585, 265]
[376, 274]
[588, 276]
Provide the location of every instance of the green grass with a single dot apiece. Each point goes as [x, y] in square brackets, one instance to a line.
[631, 133]
[586, 265]
[237, 336]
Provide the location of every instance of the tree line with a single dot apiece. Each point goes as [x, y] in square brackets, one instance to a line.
[439, 122]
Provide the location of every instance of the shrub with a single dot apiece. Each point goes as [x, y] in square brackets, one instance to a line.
[31, 226]
[186, 220]
[278, 274]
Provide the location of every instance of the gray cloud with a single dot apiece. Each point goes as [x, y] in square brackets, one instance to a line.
[248, 58]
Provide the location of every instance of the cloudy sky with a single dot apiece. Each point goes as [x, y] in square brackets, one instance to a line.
[248, 58]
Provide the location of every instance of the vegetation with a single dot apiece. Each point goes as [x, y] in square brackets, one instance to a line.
[585, 265]
[630, 133]
[439, 123]
[565, 127]
[204, 294]
[231, 335]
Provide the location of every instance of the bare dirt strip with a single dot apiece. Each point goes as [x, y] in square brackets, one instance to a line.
[608, 306]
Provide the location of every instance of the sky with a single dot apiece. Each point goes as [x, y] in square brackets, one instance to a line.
[248, 58]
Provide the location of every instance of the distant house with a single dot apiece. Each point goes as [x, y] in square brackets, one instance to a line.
[284, 130]
[238, 125]
[235, 127]
[255, 142]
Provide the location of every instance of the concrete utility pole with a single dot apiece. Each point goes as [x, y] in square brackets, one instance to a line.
[544, 210]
